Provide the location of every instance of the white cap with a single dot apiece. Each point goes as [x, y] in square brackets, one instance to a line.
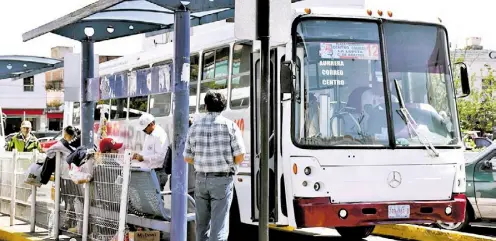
[144, 120]
[26, 124]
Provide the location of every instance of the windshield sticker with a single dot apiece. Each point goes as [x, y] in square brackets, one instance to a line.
[349, 50]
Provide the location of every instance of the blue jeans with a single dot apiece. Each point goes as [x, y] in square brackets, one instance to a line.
[213, 197]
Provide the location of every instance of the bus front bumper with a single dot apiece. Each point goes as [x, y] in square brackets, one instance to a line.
[319, 212]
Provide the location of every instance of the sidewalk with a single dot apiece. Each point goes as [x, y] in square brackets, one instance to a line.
[20, 231]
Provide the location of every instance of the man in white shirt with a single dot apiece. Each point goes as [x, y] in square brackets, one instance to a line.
[154, 147]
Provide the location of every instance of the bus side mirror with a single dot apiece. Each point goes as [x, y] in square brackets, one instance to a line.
[286, 78]
[465, 82]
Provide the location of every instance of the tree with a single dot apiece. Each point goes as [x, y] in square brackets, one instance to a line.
[478, 111]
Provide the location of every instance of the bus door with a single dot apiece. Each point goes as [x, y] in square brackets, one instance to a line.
[255, 137]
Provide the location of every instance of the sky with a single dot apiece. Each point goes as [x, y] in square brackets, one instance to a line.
[462, 19]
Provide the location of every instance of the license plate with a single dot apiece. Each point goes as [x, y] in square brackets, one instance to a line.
[398, 211]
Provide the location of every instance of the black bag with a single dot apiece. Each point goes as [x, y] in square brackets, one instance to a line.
[168, 160]
[77, 156]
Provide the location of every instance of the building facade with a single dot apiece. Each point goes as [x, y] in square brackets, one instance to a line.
[476, 58]
[23, 99]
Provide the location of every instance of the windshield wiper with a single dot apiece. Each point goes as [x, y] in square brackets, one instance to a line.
[410, 122]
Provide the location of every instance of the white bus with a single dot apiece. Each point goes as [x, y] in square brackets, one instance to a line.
[342, 156]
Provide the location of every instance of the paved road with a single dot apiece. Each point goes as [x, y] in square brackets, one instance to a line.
[324, 235]
[330, 235]
[483, 229]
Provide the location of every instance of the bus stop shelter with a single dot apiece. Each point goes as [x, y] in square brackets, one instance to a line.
[111, 19]
[16, 67]
[21, 66]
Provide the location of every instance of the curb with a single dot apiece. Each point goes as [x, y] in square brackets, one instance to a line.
[6, 235]
[420, 233]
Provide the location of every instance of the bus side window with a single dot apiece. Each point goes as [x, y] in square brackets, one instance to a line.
[137, 105]
[118, 106]
[193, 84]
[98, 106]
[160, 104]
[214, 76]
[240, 82]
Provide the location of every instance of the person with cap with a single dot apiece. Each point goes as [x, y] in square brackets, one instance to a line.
[108, 145]
[154, 147]
[24, 141]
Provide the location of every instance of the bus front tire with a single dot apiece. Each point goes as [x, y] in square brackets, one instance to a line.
[355, 233]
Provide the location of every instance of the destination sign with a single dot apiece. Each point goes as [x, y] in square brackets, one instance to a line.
[349, 50]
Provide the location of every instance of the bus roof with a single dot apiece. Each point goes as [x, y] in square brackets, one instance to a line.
[202, 37]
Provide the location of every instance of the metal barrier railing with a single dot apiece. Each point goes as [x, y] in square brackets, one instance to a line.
[96, 210]
[6, 183]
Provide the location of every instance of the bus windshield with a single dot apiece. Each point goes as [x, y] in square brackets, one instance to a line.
[341, 91]
[418, 59]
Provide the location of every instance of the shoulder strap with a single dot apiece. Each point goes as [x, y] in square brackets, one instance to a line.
[167, 166]
[66, 144]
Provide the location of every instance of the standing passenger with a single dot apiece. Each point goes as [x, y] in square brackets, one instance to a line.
[215, 147]
[154, 147]
[24, 141]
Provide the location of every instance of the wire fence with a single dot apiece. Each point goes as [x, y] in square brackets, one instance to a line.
[105, 197]
[6, 181]
[23, 190]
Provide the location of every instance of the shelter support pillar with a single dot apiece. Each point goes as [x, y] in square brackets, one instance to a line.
[87, 119]
[181, 115]
[87, 107]
[263, 20]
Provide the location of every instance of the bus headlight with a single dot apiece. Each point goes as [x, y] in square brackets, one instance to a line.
[307, 171]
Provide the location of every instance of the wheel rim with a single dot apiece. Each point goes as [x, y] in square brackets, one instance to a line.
[449, 226]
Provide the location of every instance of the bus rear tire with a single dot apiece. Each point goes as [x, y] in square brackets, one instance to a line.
[355, 233]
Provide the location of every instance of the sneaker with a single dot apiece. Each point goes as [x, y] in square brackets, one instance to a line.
[32, 180]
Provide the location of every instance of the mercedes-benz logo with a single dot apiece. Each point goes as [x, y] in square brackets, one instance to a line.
[394, 179]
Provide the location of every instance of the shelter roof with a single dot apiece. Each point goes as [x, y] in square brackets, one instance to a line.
[18, 66]
[112, 19]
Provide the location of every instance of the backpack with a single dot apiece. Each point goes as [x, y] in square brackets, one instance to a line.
[77, 156]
